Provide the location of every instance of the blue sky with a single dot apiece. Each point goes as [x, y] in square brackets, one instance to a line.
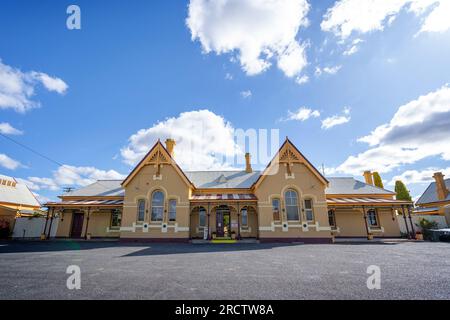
[135, 64]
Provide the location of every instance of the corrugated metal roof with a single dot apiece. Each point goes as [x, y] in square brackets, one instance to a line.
[365, 201]
[87, 203]
[223, 197]
[222, 179]
[18, 194]
[101, 188]
[349, 185]
[227, 180]
[425, 210]
[430, 194]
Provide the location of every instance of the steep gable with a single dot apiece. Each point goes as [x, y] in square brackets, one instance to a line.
[158, 156]
[287, 156]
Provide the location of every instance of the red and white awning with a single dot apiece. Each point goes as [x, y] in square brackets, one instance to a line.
[86, 203]
[366, 201]
[224, 197]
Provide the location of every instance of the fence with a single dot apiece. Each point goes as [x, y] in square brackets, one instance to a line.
[27, 228]
[440, 220]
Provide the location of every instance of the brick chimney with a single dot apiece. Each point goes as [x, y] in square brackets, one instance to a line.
[441, 188]
[170, 145]
[248, 165]
[368, 177]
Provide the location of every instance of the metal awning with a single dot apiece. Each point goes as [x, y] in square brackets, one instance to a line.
[224, 197]
[86, 203]
[366, 202]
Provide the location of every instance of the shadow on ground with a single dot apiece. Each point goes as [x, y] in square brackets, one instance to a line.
[146, 249]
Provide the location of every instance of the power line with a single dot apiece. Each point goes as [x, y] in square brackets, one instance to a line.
[46, 157]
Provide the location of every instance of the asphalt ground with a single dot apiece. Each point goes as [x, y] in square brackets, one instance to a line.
[114, 270]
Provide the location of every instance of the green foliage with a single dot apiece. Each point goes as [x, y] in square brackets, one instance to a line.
[402, 192]
[377, 180]
[426, 226]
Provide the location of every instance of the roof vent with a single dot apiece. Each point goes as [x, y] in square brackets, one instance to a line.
[222, 179]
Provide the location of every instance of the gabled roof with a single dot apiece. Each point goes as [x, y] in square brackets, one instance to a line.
[162, 157]
[277, 159]
[222, 179]
[430, 194]
[349, 185]
[18, 194]
[100, 188]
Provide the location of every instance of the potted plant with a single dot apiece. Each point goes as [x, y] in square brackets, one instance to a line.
[88, 236]
[370, 236]
[214, 235]
[233, 235]
[419, 235]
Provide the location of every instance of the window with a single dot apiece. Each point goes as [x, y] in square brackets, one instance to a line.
[141, 210]
[276, 209]
[157, 206]
[372, 218]
[291, 200]
[332, 218]
[172, 210]
[244, 215]
[202, 217]
[116, 218]
[309, 213]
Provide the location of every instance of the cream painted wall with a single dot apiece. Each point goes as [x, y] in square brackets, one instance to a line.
[308, 186]
[141, 187]
[351, 223]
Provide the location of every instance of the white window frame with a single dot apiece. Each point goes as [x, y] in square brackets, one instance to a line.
[153, 206]
[289, 205]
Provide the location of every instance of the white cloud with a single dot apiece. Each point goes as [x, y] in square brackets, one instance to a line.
[228, 76]
[67, 175]
[419, 129]
[257, 31]
[354, 47]
[17, 87]
[363, 16]
[202, 140]
[50, 83]
[328, 70]
[302, 114]
[246, 94]
[302, 79]
[6, 128]
[8, 162]
[336, 120]
[415, 176]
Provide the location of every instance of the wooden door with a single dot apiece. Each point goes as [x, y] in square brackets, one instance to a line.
[77, 225]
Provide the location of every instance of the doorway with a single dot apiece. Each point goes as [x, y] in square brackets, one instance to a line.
[223, 222]
[77, 225]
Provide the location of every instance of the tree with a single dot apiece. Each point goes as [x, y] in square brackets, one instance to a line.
[402, 192]
[377, 180]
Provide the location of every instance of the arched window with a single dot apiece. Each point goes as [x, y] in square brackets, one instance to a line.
[244, 217]
[372, 218]
[141, 210]
[157, 206]
[276, 209]
[309, 212]
[202, 217]
[291, 201]
[172, 210]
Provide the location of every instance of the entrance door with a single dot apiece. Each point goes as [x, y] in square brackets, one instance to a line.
[223, 221]
[219, 224]
[77, 225]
